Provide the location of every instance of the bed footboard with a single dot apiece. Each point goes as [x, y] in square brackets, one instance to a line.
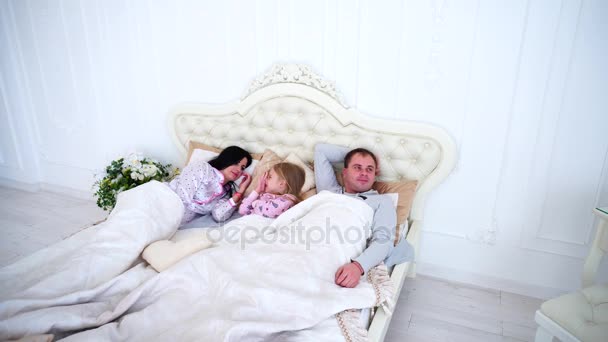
[379, 325]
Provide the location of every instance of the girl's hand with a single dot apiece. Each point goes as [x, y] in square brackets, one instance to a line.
[262, 183]
[245, 183]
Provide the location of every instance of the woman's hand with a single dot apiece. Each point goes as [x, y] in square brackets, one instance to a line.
[262, 183]
[245, 183]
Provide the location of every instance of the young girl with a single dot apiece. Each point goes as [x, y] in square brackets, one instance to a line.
[277, 191]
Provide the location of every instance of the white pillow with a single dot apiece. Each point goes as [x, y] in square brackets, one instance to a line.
[404, 226]
[162, 254]
[205, 155]
[394, 197]
[309, 183]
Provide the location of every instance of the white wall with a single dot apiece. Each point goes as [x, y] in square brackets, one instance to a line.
[521, 86]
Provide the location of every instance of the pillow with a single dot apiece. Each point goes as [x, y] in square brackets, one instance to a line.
[199, 154]
[406, 190]
[194, 145]
[309, 193]
[309, 183]
[269, 159]
[394, 198]
[163, 254]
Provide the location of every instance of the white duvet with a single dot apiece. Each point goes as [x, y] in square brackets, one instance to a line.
[262, 280]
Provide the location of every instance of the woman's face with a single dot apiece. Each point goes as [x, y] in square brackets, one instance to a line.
[232, 172]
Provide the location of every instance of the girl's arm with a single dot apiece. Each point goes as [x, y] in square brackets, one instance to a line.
[246, 208]
[275, 207]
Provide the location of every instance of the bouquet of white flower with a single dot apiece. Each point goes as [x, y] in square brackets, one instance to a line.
[126, 173]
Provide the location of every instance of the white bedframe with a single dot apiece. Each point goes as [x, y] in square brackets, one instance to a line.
[290, 109]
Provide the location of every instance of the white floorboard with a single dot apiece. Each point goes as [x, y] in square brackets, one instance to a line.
[30, 221]
[428, 309]
[431, 309]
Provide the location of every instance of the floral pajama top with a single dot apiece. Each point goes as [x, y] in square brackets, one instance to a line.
[267, 205]
[200, 188]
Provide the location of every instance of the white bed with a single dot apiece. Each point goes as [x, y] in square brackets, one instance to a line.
[290, 109]
[94, 285]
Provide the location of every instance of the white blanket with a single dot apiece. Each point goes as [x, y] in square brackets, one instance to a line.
[269, 281]
[44, 290]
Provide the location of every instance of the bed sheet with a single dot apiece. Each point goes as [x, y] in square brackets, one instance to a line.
[248, 289]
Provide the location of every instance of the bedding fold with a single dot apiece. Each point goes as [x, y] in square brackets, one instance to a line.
[89, 263]
[262, 279]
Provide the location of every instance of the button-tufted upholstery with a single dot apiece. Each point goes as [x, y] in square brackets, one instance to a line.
[290, 124]
[582, 315]
[292, 110]
[586, 316]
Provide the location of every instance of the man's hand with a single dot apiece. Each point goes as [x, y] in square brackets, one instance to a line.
[348, 275]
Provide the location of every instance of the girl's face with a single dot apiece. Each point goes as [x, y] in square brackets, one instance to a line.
[275, 184]
[232, 172]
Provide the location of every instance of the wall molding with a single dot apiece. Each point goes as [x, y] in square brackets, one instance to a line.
[538, 234]
[10, 34]
[43, 186]
[388, 60]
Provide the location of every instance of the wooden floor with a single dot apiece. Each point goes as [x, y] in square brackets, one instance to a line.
[429, 309]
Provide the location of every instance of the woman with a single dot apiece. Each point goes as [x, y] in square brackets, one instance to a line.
[209, 188]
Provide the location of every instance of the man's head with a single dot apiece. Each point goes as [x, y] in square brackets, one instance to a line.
[360, 170]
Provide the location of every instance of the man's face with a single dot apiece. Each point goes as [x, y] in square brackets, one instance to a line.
[360, 174]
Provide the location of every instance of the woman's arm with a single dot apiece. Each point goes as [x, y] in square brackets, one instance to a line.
[222, 210]
[226, 206]
[193, 176]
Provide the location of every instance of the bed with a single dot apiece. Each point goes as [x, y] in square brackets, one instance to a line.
[290, 108]
[116, 296]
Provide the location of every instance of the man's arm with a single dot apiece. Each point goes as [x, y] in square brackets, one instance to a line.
[383, 232]
[325, 155]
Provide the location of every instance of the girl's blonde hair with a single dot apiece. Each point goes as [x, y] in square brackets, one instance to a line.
[293, 175]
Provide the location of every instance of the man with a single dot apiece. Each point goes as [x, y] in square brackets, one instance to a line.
[359, 174]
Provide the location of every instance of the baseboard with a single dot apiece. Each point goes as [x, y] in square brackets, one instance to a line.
[486, 281]
[13, 184]
[40, 186]
[81, 194]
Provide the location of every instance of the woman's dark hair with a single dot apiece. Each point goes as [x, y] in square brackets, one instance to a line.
[231, 155]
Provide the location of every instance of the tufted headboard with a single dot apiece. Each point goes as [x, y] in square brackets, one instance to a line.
[290, 109]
